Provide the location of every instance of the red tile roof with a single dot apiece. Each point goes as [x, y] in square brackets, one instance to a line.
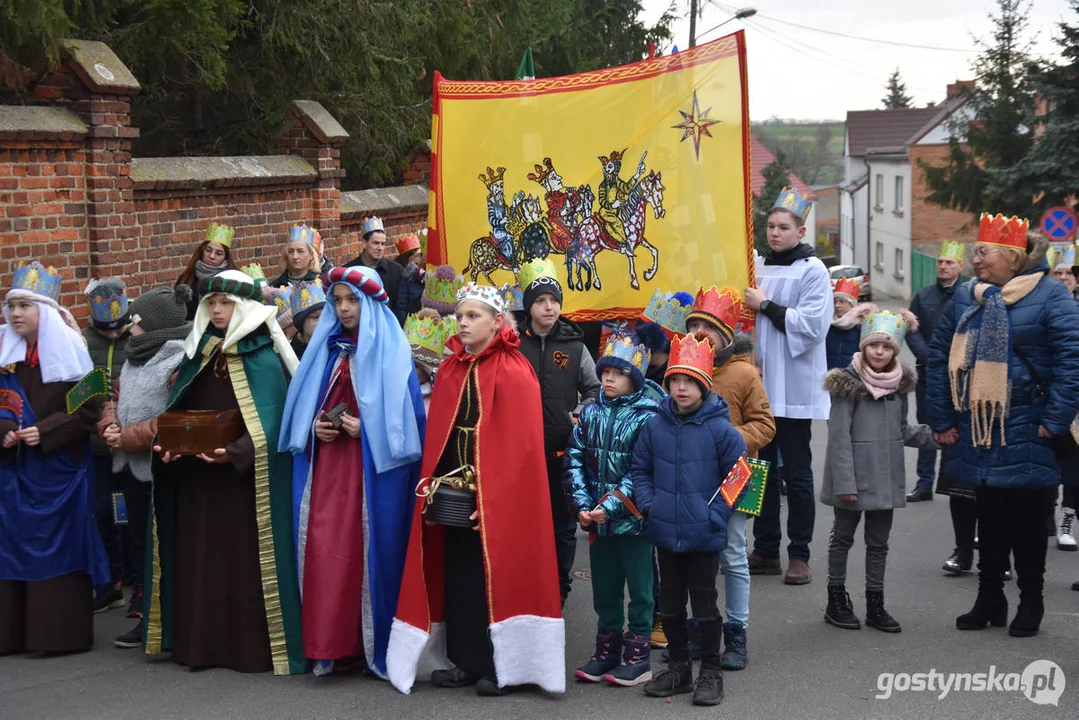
[868, 129]
[760, 158]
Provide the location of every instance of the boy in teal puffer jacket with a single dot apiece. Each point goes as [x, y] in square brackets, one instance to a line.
[597, 468]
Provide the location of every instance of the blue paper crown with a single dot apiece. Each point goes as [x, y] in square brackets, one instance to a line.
[622, 347]
[372, 224]
[305, 234]
[1067, 257]
[789, 199]
[885, 323]
[37, 278]
[108, 300]
[282, 299]
[668, 311]
[513, 297]
[305, 296]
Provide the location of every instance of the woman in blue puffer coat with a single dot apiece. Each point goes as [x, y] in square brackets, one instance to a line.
[1003, 382]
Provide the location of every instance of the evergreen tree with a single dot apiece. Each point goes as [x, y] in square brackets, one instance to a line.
[897, 93]
[776, 177]
[995, 135]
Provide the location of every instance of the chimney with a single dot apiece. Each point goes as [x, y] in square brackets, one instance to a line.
[959, 87]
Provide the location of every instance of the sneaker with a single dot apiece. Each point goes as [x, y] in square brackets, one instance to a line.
[709, 687]
[131, 639]
[1065, 539]
[659, 638]
[452, 678]
[603, 660]
[134, 605]
[107, 597]
[322, 668]
[674, 680]
[636, 667]
[488, 687]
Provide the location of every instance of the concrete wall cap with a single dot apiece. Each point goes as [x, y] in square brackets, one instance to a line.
[318, 121]
[99, 67]
[384, 201]
[40, 122]
[205, 172]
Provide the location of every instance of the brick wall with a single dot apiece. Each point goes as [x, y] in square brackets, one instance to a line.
[932, 224]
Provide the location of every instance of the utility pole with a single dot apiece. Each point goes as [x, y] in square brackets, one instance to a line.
[692, 23]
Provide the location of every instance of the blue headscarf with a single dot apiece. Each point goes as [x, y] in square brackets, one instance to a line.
[381, 367]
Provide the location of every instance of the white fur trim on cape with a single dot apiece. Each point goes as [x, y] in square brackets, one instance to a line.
[530, 649]
[413, 651]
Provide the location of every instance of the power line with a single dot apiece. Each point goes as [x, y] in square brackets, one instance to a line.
[865, 39]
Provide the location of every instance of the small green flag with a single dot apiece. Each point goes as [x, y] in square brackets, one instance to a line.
[753, 498]
[93, 385]
[526, 70]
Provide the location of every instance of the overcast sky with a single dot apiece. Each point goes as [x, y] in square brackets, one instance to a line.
[795, 72]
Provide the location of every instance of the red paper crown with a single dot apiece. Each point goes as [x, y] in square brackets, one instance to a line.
[407, 243]
[719, 308]
[848, 288]
[692, 357]
[999, 230]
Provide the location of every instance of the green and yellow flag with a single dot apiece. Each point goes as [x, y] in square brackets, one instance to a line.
[631, 179]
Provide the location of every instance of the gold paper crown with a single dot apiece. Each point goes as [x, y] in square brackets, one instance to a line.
[220, 233]
[492, 176]
[253, 271]
[953, 250]
[534, 269]
[428, 333]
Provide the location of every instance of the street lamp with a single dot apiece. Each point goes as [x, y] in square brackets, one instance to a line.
[742, 14]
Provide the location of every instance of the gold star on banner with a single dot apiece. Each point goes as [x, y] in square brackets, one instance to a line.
[695, 124]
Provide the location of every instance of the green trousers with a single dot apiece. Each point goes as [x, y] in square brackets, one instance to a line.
[618, 563]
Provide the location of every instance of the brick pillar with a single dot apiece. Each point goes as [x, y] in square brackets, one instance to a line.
[312, 133]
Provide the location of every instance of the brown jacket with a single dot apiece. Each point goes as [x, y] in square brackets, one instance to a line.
[738, 382]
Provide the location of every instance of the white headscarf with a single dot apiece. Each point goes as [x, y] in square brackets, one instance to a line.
[61, 348]
[246, 318]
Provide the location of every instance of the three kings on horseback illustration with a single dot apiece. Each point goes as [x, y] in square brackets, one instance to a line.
[571, 225]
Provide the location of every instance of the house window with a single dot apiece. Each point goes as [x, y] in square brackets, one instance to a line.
[879, 264]
[898, 264]
[898, 195]
[879, 207]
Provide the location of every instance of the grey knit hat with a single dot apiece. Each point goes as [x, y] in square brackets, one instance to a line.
[161, 308]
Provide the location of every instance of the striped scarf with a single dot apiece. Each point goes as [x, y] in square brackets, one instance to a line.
[979, 356]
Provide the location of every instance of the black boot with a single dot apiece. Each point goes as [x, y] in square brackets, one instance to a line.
[990, 607]
[1028, 617]
[960, 562]
[840, 610]
[875, 614]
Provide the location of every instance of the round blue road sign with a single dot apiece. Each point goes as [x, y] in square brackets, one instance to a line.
[1059, 223]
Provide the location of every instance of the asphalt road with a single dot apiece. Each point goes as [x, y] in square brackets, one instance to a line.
[799, 666]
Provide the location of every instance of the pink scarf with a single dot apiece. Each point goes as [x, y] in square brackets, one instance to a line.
[878, 384]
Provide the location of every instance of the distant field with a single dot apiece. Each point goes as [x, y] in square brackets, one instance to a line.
[805, 131]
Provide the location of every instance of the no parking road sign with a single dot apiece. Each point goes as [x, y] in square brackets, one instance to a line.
[1059, 223]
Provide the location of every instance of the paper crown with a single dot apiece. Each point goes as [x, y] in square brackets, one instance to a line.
[428, 337]
[220, 233]
[372, 224]
[37, 278]
[1067, 257]
[692, 357]
[1051, 256]
[282, 299]
[108, 301]
[406, 244]
[533, 270]
[953, 250]
[305, 234]
[885, 323]
[422, 235]
[542, 171]
[720, 308]
[440, 289]
[669, 311]
[848, 288]
[491, 177]
[253, 271]
[621, 347]
[789, 199]
[485, 294]
[999, 230]
[306, 296]
[513, 297]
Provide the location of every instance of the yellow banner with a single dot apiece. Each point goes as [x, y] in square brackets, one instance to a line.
[629, 179]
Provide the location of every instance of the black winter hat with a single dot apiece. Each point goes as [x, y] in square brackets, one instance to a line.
[161, 308]
[538, 287]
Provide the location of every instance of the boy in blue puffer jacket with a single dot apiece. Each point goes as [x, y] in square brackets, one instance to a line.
[597, 469]
[682, 456]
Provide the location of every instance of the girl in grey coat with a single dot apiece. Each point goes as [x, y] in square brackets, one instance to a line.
[863, 466]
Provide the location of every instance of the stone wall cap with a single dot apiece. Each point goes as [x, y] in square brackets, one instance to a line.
[384, 201]
[34, 122]
[99, 67]
[319, 121]
[193, 173]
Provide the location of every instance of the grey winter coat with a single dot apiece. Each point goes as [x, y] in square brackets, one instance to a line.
[865, 442]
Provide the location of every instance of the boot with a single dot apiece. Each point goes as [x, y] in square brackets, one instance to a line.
[960, 562]
[636, 666]
[709, 687]
[763, 566]
[990, 608]
[735, 656]
[604, 660]
[797, 572]
[659, 638]
[840, 610]
[1065, 536]
[1028, 617]
[676, 679]
[875, 614]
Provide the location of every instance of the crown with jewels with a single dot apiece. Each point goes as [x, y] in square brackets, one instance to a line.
[720, 308]
[1067, 258]
[885, 323]
[253, 271]
[621, 347]
[490, 296]
[848, 288]
[542, 171]
[789, 199]
[492, 176]
[669, 311]
[407, 244]
[953, 250]
[440, 289]
[305, 234]
[692, 357]
[534, 270]
[513, 297]
[306, 295]
[372, 224]
[428, 337]
[220, 233]
[108, 301]
[37, 278]
[999, 230]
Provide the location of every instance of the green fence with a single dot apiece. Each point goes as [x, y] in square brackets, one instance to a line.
[923, 271]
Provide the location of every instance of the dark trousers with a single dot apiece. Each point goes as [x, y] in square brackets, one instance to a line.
[565, 525]
[927, 459]
[792, 439]
[878, 527]
[690, 575]
[105, 484]
[1011, 521]
[137, 497]
[964, 522]
[1067, 499]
